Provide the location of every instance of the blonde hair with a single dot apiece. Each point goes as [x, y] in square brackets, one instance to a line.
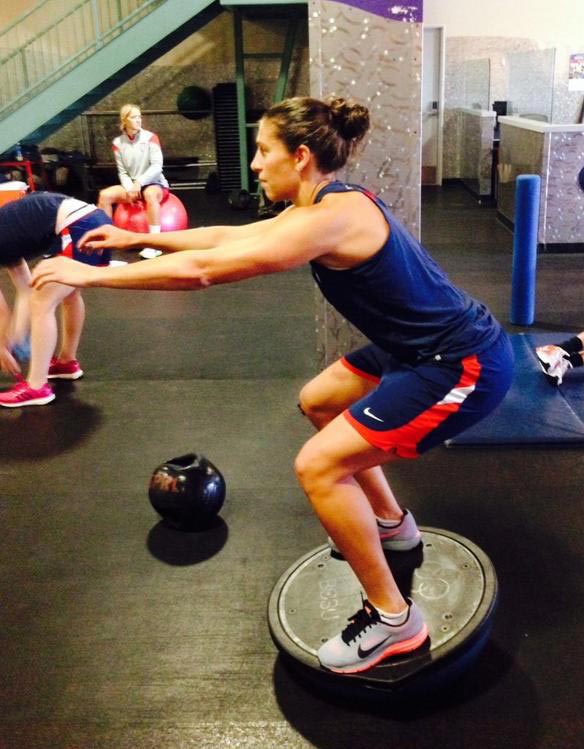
[125, 112]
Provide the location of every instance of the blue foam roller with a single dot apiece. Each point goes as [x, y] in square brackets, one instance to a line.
[527, 190]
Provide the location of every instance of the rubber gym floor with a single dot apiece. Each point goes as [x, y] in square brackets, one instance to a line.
[120, 633]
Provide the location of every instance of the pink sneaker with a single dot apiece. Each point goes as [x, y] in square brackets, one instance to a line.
[64, 370]
[22, 394]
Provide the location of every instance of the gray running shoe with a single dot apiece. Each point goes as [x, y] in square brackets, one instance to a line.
[368, 639]
[554, 362]
[401, 537]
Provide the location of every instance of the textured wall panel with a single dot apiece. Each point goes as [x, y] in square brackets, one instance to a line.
[371, 52]
[564, 220]
[558, 158]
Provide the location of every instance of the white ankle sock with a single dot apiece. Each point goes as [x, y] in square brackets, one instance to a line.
[394, 619]
[154, 229]
[388, 523]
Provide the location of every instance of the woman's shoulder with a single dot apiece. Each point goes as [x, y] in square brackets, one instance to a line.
[149, 137]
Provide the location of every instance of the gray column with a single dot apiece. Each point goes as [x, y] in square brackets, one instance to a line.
[371, 52]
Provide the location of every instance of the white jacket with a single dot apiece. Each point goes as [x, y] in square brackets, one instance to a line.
[139, 158]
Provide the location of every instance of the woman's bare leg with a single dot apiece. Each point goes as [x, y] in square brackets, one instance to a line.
[326, 468]
[43, 306]
[109, 196]
[322, 400]
[152, 196]
[72, 322]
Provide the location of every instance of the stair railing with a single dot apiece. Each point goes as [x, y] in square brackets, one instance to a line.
[61, 44]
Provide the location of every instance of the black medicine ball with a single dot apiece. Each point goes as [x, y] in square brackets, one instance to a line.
[187, 492]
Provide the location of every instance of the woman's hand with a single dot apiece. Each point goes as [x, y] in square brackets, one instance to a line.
[106, 237]
[62, 270]
[8, 363]
[135, 193]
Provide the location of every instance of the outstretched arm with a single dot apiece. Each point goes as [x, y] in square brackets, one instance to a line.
[204, 237]
[305, 234]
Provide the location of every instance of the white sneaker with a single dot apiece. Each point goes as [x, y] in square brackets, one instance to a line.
[401, 537]
[369, 639]
[149, 252]
[554, 362]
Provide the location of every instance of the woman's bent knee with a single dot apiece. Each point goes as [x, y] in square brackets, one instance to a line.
[312, 406]
[302, 467]
[152, 195]
[311, 468]
[103, 199]
[305, 403]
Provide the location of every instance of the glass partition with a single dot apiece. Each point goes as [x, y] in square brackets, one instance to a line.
[531, 83]
[468, 84]
[476, 83]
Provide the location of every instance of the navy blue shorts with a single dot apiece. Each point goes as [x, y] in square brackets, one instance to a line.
[417, 407]
[71, 235]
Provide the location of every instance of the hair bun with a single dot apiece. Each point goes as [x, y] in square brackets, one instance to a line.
[350, 119]
[332, 129]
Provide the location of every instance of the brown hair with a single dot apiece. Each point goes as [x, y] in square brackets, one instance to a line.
[332, 128]
[125, 113]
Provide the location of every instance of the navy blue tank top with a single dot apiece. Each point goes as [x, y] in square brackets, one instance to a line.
[402, 301]
[27, 227]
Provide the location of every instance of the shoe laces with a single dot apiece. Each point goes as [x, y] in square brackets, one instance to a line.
[366, 617]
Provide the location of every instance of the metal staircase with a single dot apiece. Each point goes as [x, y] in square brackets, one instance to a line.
[67, 61]
[63, 56]
[290, 16]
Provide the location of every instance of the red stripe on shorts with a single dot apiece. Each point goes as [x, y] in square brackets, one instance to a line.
[66, 243]
[405, 439]
[359, 372]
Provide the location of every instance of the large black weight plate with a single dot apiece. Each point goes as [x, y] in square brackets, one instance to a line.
[449, 577]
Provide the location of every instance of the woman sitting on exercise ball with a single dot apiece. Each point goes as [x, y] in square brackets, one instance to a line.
[139, 160]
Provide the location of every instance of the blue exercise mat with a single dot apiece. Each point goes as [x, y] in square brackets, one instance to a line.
[534, 411]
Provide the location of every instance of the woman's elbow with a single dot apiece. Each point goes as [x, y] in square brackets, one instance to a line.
[194, 274]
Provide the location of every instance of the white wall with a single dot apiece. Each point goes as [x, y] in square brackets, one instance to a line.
[551, 22]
